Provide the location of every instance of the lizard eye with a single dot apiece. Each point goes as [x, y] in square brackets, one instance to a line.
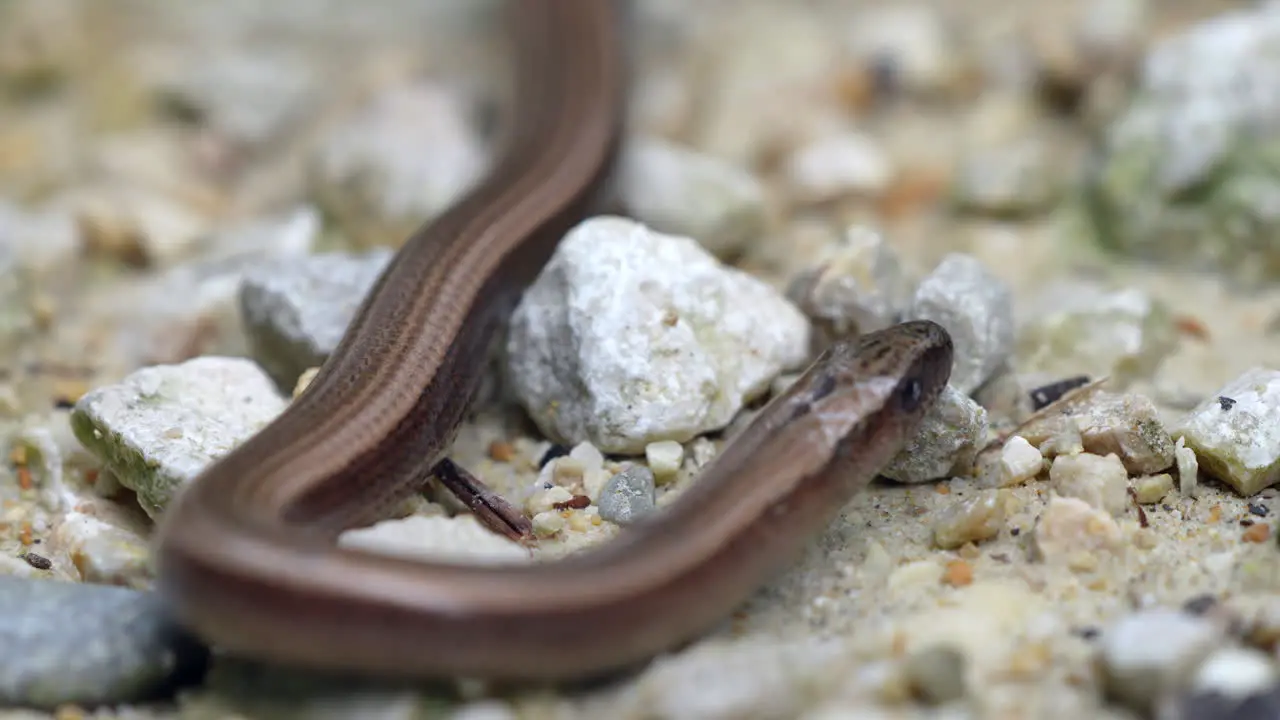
[910, 392]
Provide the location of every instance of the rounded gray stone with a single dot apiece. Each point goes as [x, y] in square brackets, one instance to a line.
[67, 643]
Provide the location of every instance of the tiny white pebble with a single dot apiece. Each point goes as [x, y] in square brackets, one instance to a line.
[664, 458]
[548, 523]
[1020, 461]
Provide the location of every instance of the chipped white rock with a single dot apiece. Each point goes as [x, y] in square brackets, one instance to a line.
[976, 307]
[664, 458]
[678, 190]
[1018, 463]
[160, 426]
[1127, 425]
[950, 435]
[838, 166]
[1100, 481]
[1234, 434]
[1152, 652]
[405, 157]
[857, 285]
[458, 539]
[631, 336]
[296, 310]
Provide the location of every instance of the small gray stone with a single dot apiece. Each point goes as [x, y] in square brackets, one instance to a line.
[295, 312]
[977, 309]
[88, 644]
[628, 496]
[949, 438]
[936, 674]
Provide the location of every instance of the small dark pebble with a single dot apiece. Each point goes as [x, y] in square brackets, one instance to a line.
[552, 453]
[1245, 522]
[1088, 632]
[1259, 509]
[64, 403]
[38, 562]
[1048, 394]
[1218, 706]
[1015, 531]
[1226, 403]
[1200, 604]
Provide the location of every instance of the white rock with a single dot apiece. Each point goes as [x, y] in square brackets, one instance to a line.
[856, 284]
[976, 308]
[1152, 652]
[407, 156]
[1234, 433]
[631, 336]
[1235, 672]
[677, 190]
[437, 538]
[160, 426]
[1020, 461]
[1188, 467]
[835, 166]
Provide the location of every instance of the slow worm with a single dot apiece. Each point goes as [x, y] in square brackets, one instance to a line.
[246, 553]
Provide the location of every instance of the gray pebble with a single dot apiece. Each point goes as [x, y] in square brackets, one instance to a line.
[296, 311]
[628, 496]
[88, 644]
[936, 674]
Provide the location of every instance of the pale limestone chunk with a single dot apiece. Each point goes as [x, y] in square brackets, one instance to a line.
[678, 190]
[631, 336]
[856, 285]
[974, 520]
[664, 458]
[947, 442]
[160, 426]
[460, 538]
[1100, 481]
[1151, 489]
[974, 306]
[1073, 531]
[1129, 426]
[1235, 435]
